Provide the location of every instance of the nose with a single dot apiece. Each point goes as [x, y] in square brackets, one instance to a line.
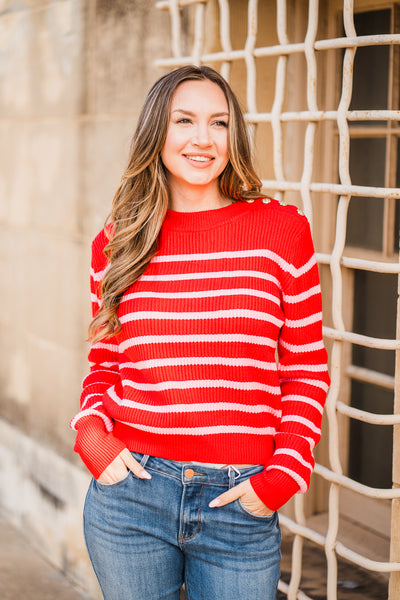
[202, 136]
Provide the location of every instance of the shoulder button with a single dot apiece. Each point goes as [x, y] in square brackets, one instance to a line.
[301, 213]
[282, 203]
[266, 200]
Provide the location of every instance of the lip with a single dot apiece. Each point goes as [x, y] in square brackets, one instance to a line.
[200, 164]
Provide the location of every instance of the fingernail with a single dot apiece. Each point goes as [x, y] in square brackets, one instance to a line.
[214, 503]
[146, 475]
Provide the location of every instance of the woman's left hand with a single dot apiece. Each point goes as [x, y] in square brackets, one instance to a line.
[248, 498]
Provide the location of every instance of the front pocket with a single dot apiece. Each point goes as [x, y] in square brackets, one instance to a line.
[253, 515]
[103, 485]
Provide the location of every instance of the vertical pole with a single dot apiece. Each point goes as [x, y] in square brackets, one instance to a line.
[394, 584]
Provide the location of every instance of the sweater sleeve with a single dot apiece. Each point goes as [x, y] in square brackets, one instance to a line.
[95, 442]
[303, 377]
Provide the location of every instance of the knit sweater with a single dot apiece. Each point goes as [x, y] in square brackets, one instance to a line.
[220, 358]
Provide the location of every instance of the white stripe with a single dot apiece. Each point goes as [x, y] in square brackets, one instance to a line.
[213, 338]
[95, 299]
[211, 275]
[303, 296]
[98, 275]
[105, 346]
[313, 368]
[85, 385]
[303, 347]
[202, 383]
[93, 406]
[305, 399]
[203, 316]
[310, 440]
[294, 454]
[106, 364]
[315, 382]
[199, 360]
[89, 412]
[220, 293]
[262, 252]
[302, 421]
[299, 480]
[100, 371]
[304, 322]
[212, 430]
[193, 408]
[97, 394]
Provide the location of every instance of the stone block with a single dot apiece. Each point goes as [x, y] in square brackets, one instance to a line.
[12, 277]
[54, 159]
[39, 175]
[41, 58]
[128, 38]
[53, 291]
[55, 381]
[44, 496]
[104, 159]
[16, 175]
[15, 383]
[40, 384]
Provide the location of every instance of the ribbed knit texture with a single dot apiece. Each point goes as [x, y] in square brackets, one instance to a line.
[220, 358]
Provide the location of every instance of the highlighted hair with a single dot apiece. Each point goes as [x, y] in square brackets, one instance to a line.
[141, 201]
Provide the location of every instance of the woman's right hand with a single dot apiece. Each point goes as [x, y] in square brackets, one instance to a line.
[119, 467]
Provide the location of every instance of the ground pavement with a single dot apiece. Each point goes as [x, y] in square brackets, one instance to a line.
[25, 575]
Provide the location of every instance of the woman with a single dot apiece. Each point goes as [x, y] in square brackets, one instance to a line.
[194, 433]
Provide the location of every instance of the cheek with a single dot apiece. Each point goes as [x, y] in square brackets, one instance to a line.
[167, 144]
[168, 150]
[174, 143]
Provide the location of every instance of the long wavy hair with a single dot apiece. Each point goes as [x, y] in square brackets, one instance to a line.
[141, 201]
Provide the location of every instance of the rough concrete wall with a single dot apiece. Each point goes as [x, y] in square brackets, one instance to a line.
[73, 75]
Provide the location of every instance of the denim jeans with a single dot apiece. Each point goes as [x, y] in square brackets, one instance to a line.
[146, 537]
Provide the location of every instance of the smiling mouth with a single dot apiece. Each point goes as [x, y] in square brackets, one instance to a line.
[199, 158]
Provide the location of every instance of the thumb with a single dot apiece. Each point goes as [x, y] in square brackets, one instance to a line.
[233, 494]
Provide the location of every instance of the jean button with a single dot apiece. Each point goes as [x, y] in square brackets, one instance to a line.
[189, 473]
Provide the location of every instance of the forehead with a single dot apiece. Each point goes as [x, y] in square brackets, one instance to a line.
[200, 94]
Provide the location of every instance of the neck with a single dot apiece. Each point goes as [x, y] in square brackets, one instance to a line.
[183, 199]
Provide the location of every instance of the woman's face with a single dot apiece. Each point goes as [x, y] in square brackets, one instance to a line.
[196, 147]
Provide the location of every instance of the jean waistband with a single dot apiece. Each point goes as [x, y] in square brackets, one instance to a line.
[214, 465]
[189, 472]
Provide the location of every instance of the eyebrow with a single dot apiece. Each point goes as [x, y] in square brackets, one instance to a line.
[190, 113]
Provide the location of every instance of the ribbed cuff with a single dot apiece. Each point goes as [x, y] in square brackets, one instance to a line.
[274, 488]
[95, 446]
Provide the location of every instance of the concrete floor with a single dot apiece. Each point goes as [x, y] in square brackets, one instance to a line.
[25, 575]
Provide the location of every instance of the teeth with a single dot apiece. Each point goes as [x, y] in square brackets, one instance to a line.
[199, 158]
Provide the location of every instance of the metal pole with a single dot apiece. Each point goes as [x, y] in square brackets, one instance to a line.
[394, 584]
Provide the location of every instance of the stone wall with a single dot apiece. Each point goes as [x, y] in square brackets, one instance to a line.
[73, 76]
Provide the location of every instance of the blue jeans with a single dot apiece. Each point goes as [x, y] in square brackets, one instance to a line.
[146, 537]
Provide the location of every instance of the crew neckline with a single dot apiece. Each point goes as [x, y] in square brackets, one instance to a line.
[205, 219]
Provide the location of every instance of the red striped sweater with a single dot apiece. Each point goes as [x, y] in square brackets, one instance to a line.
[220, 358]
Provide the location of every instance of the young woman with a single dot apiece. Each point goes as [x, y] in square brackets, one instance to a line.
[208, 371]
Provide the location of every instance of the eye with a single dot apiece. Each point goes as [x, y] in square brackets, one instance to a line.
[183, 120]
[221, 123]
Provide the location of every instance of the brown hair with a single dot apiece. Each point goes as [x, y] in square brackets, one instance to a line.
[141, 201]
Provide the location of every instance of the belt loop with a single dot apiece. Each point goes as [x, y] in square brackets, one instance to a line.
[233, 474]
[144, 460]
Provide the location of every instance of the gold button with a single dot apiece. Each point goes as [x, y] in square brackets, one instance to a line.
[189, 473]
